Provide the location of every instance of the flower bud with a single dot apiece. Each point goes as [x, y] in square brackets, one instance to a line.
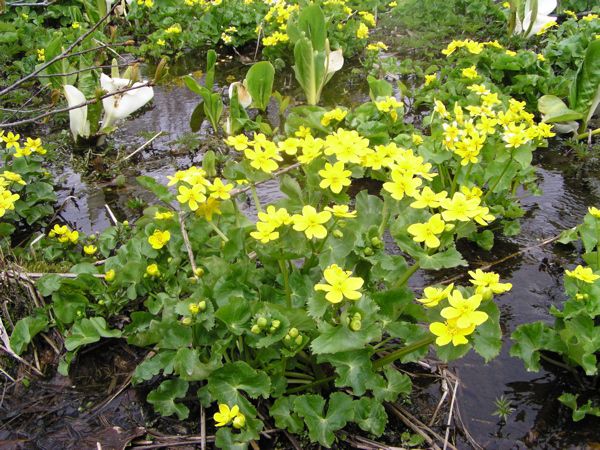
[338, 234]
[261, 322]
[239, 421]
[275, 323]
[355, 325]
[199, 272]
[186, 321]
[202, 305]
[376, 242]
[293, 332]
[368, 251]
[255, 329]
[298, 340]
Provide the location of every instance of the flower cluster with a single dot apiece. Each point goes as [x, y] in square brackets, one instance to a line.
[64, 234]
[462, 315]
[227, 415]
[30, 146]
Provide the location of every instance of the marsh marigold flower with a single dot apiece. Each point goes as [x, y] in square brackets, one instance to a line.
[340, 284]
[585, 274]
[311, 222]
[159, 239]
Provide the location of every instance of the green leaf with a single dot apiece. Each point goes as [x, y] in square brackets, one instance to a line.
[370, 415]
[529, 339]
[235, 315]
[579, 412]
[26, 329]
[88, 331]
[397, 383]
[379, 88]
[196, 88]
[163, 398]
[340, 338]
[149, 368]
[211, 61]
[585, 90]
[487, 339]
[444, 260]
[354, 369]
[48, 284]
[285, 417]
[161, 191]
[259, 82]
[553, 110]
[67, 304]
[321, 427]
[227, 383]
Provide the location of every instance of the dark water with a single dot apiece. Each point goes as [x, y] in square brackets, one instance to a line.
[536, 274]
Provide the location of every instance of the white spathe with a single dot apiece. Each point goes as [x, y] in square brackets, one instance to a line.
[79, 124]
[122, 105]
[336, 61]
[545, 7]
[244, 97]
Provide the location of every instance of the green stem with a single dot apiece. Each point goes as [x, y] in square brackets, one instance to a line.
[468, 173]
[409, 273]
[219, 232]
[403, 351]
[378, 364]
[385, 215]
[299, 375]
[255, 198]
[499, 178]
[588, 134]
[286, 281]
[597, 246]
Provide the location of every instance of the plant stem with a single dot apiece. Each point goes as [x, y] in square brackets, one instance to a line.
[403, 351]
[219, 232]
[588, 134]
[255, 198]
[385, 215]
[409, 273]
[499, 178]
[378, 364]
[286, 281]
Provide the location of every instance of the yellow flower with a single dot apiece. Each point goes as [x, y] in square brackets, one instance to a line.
[342, 211]
[109, 275]
[470, 73]
[219, 190]
[362, 32]
[192, 196]
[173, 29]
[75, 25]
[448, 332]
[209, 208]
[11, 176]
[225, 415]
[302, 132]
[464, 310]
[590, 17]
[595, 212]
[90, 249]
[12, 140]
[153, 270]
[430, 79]
[159, 239]
[428, 199]
[460, 208]
[335, 177]
[340, 284]
[427, 232]
[275, 217]
[265, 232]
[417, 139]
[511, 53]
[310, 222]
[41, 54]
[163, 215]
[432, 296]
[488, 283]
[585, 274]
[402, 184]
[7, 201]
[239, 142]
[161, 42]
